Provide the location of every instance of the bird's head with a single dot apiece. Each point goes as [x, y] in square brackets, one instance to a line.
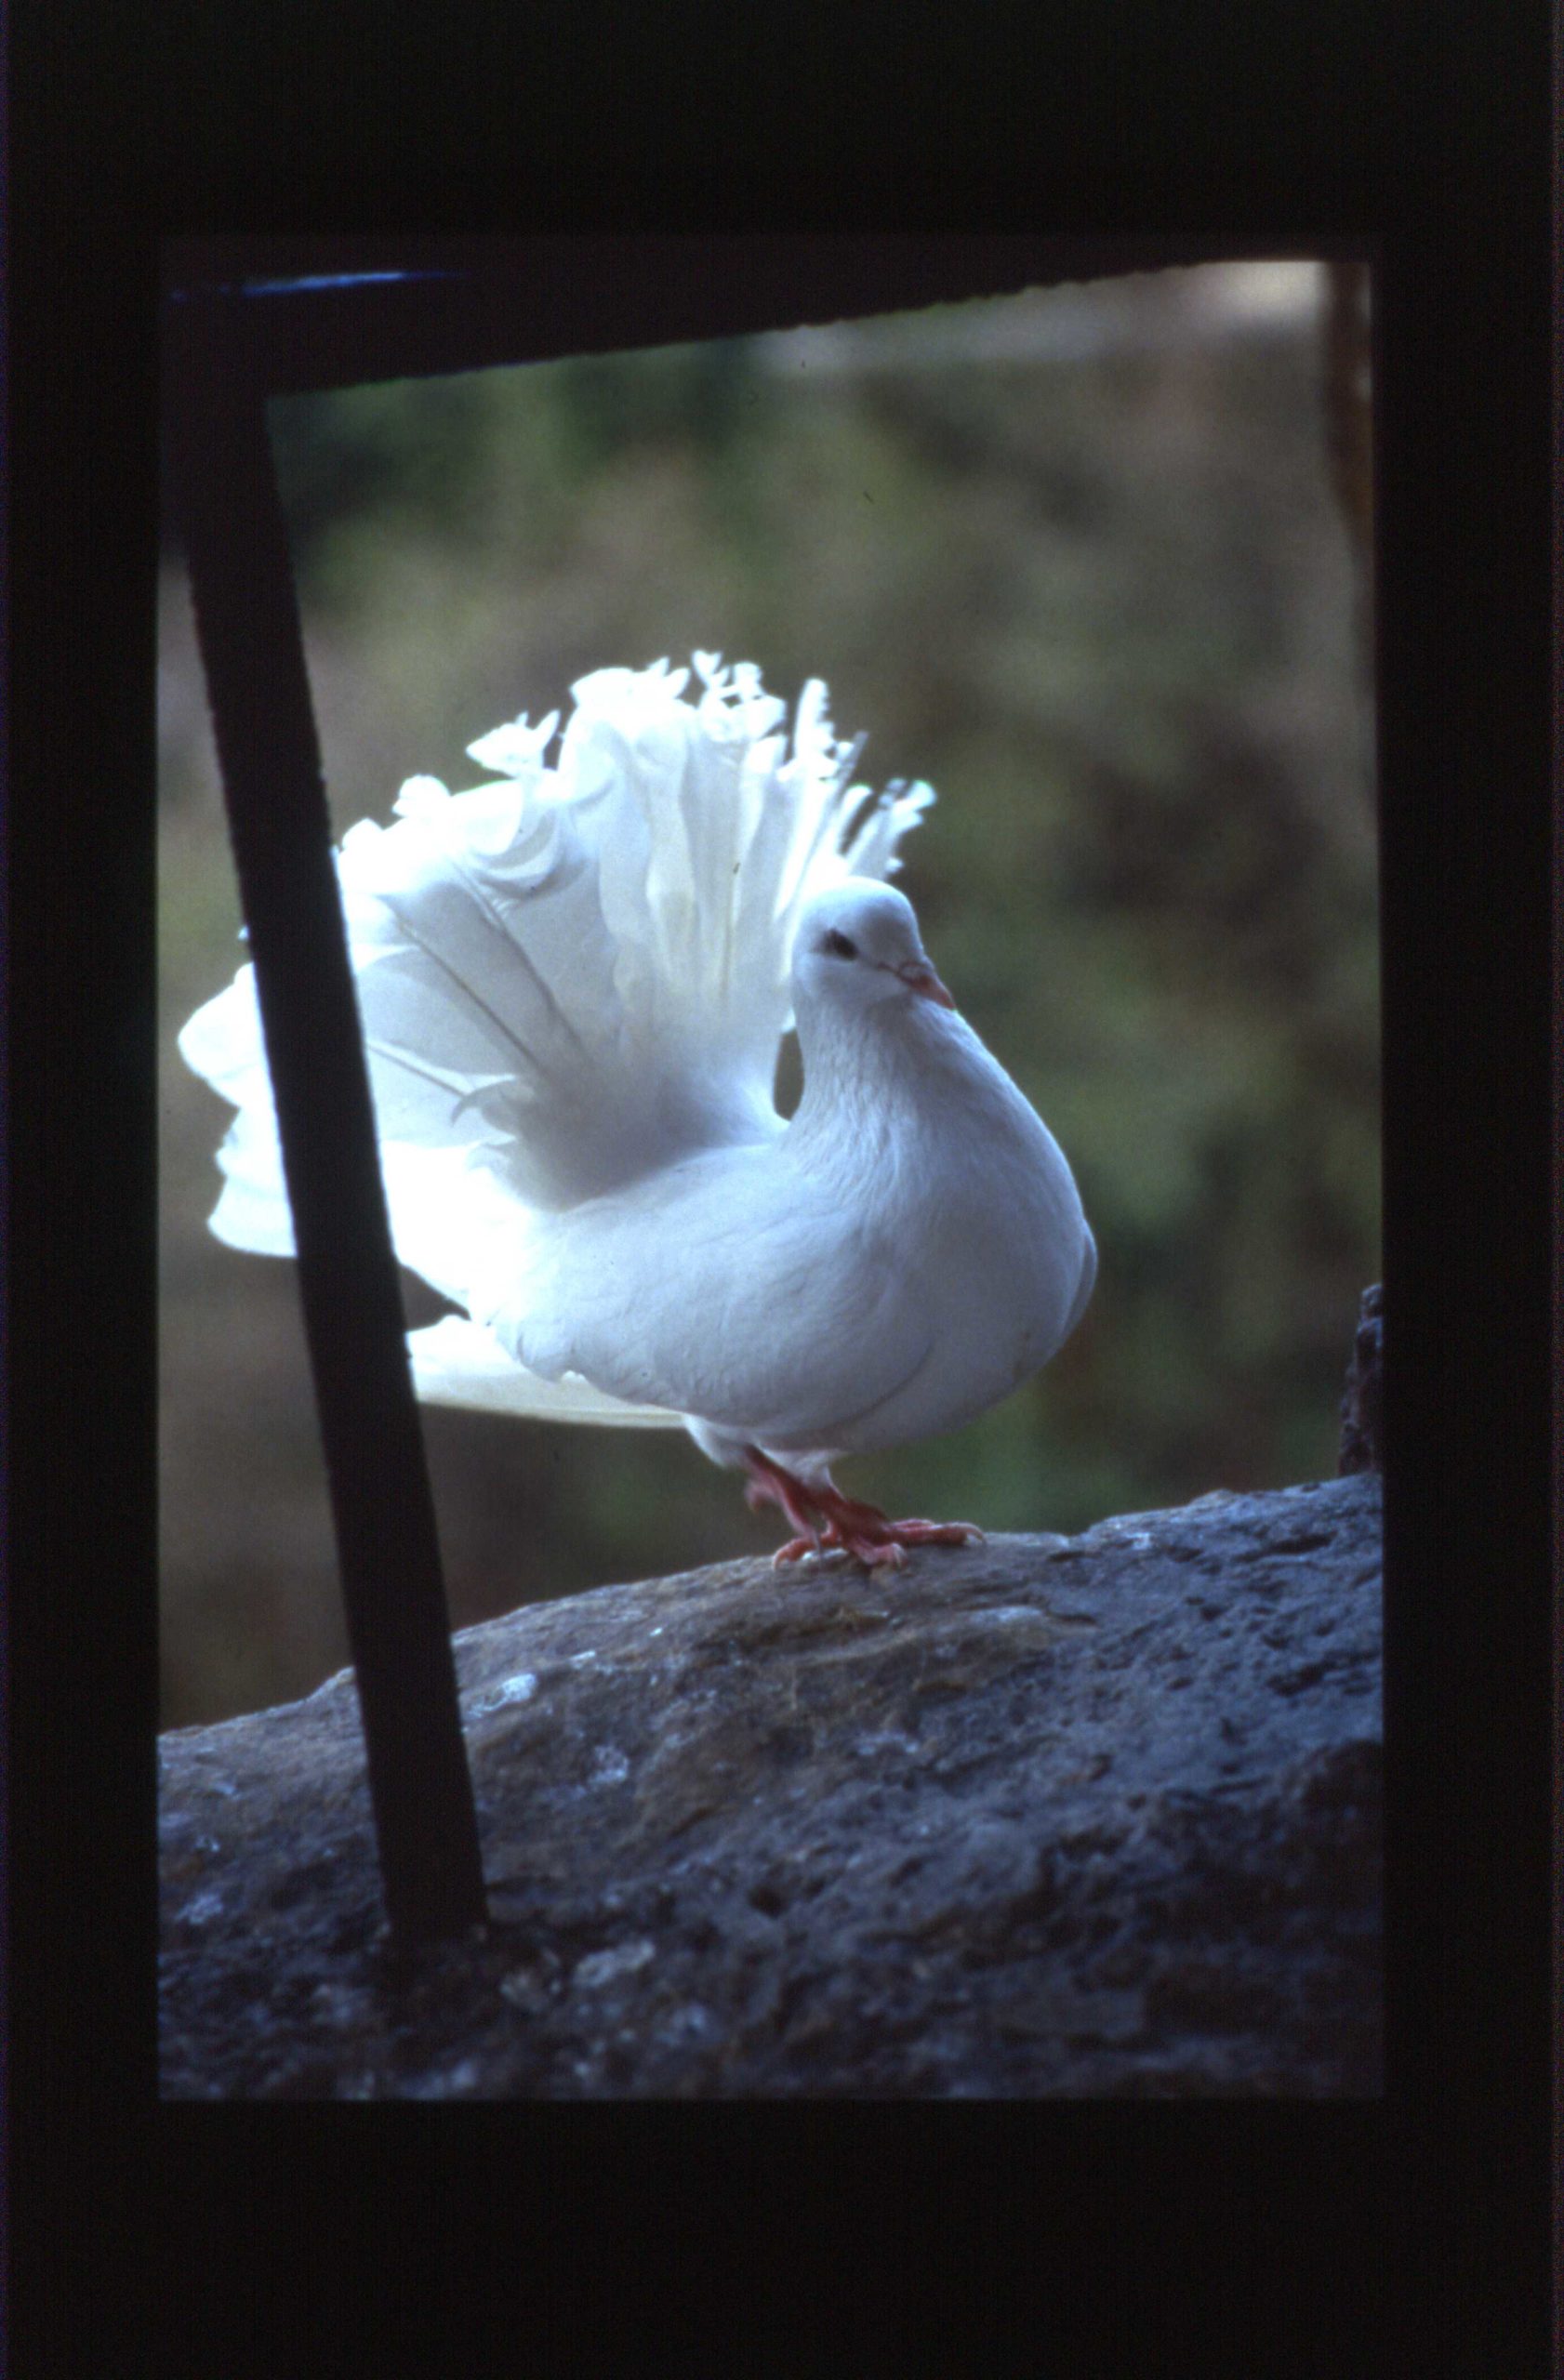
[858, 945]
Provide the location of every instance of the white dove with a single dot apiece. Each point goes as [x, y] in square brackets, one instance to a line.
[573, 985]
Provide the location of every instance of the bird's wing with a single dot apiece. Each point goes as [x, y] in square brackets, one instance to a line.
[728, 1290]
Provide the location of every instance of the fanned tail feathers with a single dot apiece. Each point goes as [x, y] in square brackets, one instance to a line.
[566, 978]
[457, 1362]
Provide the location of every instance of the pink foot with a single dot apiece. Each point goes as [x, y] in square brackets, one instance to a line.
[827, 1520]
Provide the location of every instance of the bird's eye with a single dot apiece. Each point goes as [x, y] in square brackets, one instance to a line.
[839, 946]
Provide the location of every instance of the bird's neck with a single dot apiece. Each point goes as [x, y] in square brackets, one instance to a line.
[872, 1081]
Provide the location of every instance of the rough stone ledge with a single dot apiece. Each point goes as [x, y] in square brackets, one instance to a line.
[1096, 1815]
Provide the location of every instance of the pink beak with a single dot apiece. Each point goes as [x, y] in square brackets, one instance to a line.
[921, 978]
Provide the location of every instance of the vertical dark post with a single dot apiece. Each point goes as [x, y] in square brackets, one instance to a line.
[252, 650]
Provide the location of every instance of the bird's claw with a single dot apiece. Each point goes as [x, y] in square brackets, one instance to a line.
[828, 1522]
[877, 1546]
[938, 1533]
[797, 1549]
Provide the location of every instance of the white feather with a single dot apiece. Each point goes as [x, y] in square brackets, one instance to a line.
[457, 1362]
[571, 981]
[573, 985]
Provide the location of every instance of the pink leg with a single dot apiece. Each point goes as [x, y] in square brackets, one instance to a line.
[769, 1483]
[826, 1518]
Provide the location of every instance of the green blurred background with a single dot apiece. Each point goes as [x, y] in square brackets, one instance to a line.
[1078, 559]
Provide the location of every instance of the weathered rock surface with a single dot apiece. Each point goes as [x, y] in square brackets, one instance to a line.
[1096, 1815]
[1364, 1405]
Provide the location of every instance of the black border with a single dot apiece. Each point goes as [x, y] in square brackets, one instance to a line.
[228, 2238]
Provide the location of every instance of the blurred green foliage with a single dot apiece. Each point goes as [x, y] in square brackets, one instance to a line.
[1102, 600]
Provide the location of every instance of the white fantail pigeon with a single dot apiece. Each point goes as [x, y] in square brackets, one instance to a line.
[574, 984]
